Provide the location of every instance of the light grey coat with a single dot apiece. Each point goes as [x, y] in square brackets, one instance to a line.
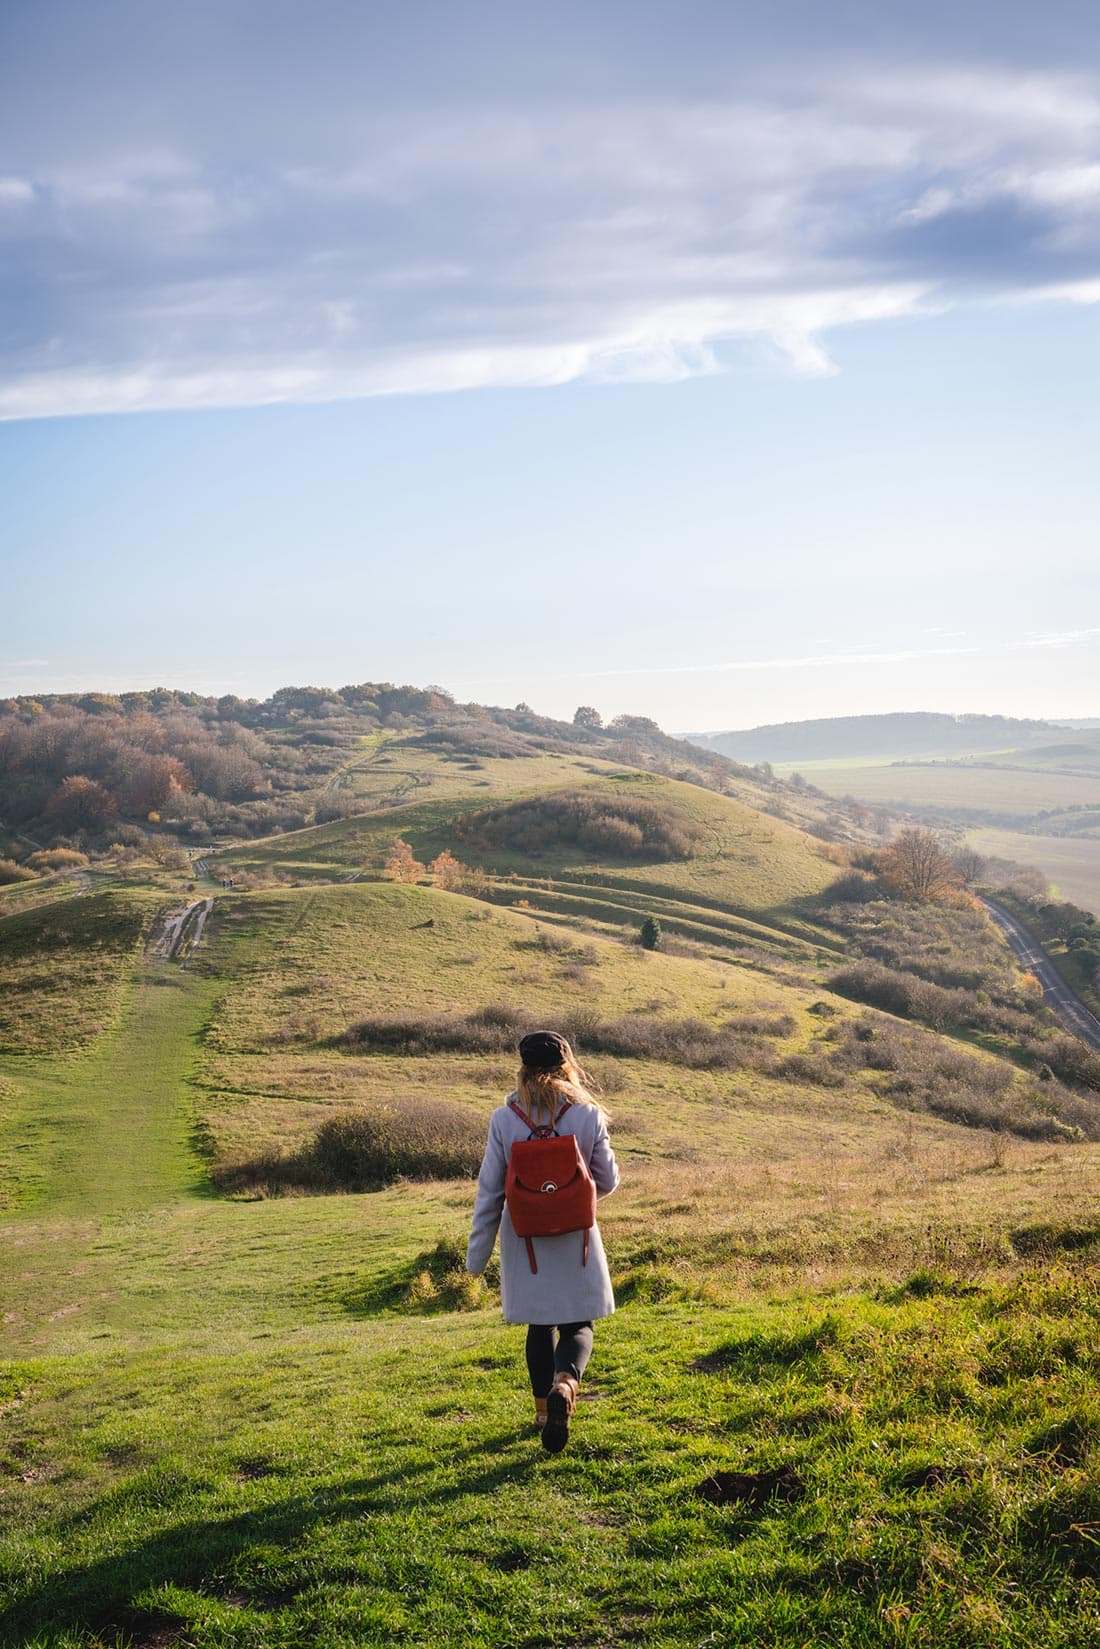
[563, 1290]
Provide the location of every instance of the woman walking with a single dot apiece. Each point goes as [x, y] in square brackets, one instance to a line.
[557, 1285]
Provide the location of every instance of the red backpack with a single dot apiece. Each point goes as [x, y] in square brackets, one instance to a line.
[549, 1187]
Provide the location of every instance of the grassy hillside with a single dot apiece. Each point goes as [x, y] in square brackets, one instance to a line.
[223, 1426]
[64, 967]
[746, 864]
[849, 1251]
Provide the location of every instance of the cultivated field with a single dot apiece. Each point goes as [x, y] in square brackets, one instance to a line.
[1015, 791]
[1071, 862]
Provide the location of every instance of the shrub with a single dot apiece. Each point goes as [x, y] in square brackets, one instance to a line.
[810, 1068]
[57, 858]
[921, 1075]
[433, 1033]
[855, 887]
[11, 872]
[497, 1028]
[911, 997]
[613, 826]
[1067, 1058]
[420, 1139]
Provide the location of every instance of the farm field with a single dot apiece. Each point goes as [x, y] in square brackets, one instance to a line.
[1071, 862]
[1016, 791]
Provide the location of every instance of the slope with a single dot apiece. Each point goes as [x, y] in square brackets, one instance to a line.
[291, 1421]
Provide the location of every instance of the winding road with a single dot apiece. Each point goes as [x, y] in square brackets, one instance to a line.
[1056, 993]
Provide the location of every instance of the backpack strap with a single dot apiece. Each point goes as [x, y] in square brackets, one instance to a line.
[534, 1262]
[546, 1130]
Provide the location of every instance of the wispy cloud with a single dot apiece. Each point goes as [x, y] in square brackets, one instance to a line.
[838, 658]
[809, 661]
[1060, 639]
[424, 244]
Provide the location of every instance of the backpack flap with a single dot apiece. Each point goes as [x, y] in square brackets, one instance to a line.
[549, 1190]
[539, 1164]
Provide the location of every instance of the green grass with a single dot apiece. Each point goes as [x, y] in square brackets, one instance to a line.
[64, 967]
[271, 1460]
[288, 1421]
[124, 1103]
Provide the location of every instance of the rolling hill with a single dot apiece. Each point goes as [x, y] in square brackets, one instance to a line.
[240, 1411]
[901, 734]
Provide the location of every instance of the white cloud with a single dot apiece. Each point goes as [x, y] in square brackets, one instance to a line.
[424, 249]
[1060, 639]
[15, 191]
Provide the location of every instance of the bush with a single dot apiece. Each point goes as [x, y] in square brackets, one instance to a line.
[650, 933]
[497, 1029]
[855, 887]
[11, 872]
[57, 858]
[943, 1009]
[921, 1075]
[612, 826]
[420, 1139]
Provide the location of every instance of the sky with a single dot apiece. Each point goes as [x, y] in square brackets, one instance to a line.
[723, 363]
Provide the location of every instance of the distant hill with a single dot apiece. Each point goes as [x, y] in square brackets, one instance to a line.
[91, 772]
[907, 733]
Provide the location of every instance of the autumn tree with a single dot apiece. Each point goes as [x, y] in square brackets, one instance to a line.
[79, 803]
[448, 871]
[155, 782]
[915, 866]
[401, 864]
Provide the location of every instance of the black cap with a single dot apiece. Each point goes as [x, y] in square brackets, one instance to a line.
[543, 1051]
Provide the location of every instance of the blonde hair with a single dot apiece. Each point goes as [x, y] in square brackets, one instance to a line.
[542, 1094]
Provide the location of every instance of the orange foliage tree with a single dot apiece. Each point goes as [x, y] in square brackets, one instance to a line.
[449, 872]
[401, 863]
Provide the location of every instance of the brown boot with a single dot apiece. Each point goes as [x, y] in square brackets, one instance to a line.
[559, 1411]
[540, 1412]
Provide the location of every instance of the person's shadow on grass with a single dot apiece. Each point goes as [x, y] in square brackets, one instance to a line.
[201, 1551]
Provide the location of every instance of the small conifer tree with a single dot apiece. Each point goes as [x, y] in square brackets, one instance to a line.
[650, 934]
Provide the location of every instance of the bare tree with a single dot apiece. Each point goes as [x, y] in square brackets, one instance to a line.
[969, 864]
[916, 866]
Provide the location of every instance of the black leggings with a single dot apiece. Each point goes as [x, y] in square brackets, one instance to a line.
[556, 1350]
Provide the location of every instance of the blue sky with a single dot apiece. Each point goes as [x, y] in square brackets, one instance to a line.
[720, 363]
